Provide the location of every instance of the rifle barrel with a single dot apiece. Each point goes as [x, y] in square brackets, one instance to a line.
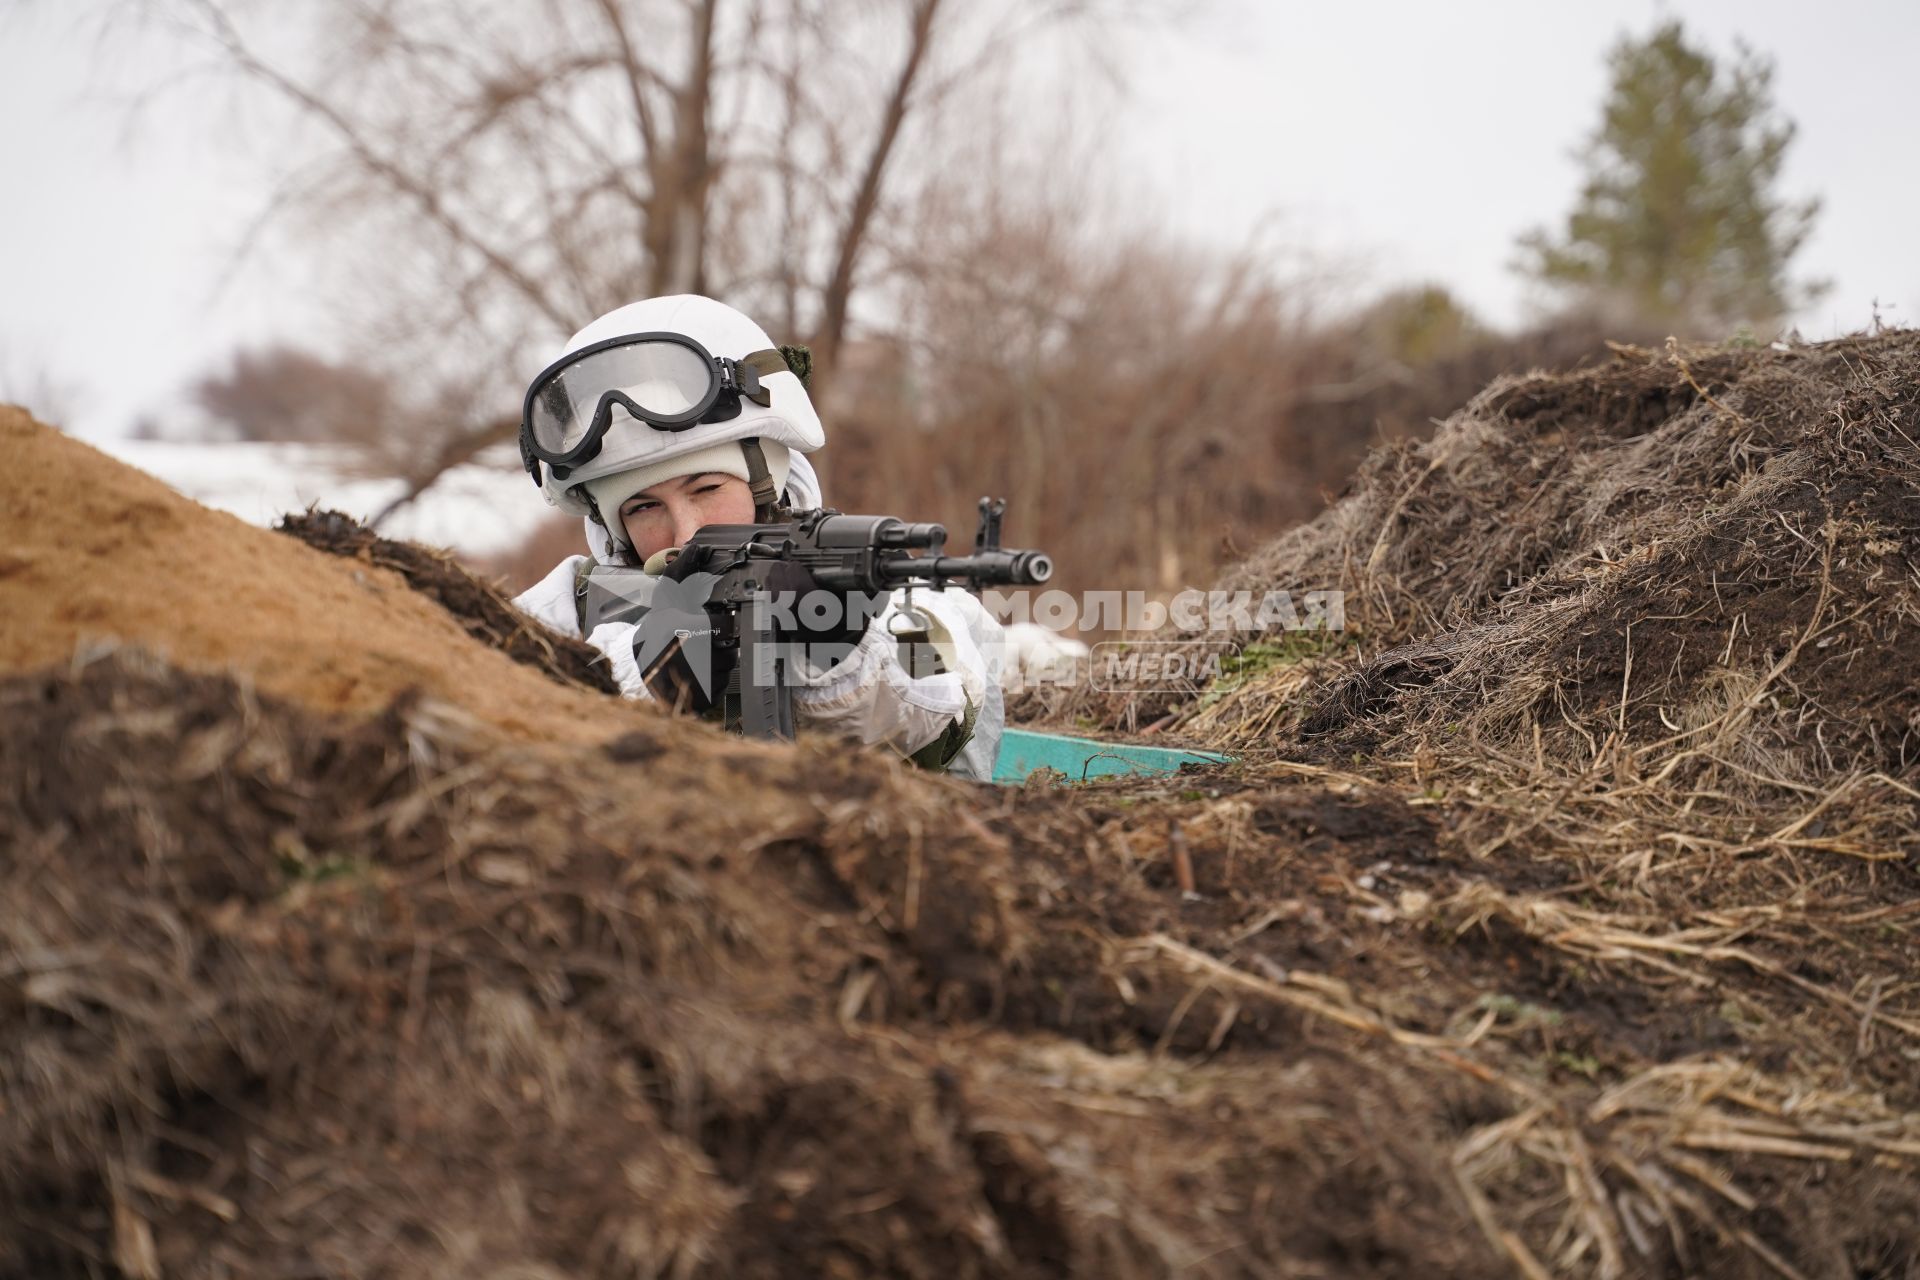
[984, 568]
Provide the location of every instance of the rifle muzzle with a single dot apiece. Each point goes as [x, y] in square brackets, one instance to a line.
[989, 568]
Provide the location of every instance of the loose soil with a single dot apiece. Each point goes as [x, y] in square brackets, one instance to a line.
[96, 554]
[483, 608]
[457, 969]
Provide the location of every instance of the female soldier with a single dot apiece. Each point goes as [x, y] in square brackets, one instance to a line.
[707, 425]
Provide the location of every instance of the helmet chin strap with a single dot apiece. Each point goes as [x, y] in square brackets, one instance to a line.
[766, 502]
[616, 537]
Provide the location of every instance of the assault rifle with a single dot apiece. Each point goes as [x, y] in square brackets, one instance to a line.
[717, 636]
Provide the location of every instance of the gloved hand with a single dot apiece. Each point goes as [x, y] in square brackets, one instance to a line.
[685, 562]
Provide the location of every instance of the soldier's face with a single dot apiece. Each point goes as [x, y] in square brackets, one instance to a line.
[670, 512]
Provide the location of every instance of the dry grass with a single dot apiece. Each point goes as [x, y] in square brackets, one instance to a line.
[1647, 633]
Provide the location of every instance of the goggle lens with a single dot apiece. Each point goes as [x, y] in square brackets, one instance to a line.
[665, 379]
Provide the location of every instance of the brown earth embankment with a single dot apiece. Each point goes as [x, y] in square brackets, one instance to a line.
[333, 942]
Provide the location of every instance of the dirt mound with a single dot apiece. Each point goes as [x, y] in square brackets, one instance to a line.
[94, 552]
[1707, 556]
[293, 982]
[392, 998]
[445, 1007]
[483, 609]
[1657, 558]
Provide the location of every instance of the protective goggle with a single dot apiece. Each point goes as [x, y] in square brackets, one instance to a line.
[666, 380]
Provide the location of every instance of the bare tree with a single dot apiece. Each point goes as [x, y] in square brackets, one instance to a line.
[282, 393]
[488, 174]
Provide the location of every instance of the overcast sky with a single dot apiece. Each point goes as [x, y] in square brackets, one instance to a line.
[1406, 140]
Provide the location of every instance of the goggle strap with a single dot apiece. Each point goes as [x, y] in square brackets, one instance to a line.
[764, 363]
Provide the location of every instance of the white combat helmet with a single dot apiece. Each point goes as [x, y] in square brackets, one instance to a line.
[787, 424]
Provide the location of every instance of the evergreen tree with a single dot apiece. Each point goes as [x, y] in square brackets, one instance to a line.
[1678, 219]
